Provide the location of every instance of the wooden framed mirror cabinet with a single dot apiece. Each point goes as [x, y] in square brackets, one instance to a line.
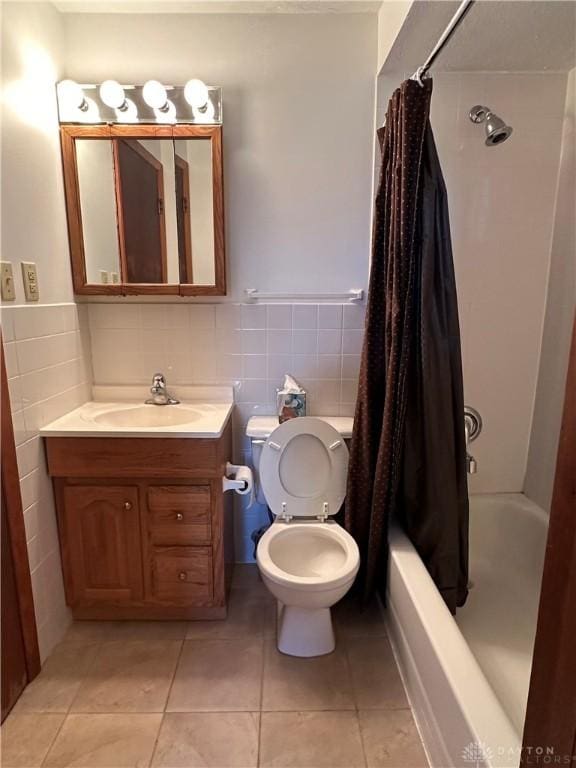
[145, 208]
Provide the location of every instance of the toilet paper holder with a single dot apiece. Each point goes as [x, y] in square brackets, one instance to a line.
[231, 483]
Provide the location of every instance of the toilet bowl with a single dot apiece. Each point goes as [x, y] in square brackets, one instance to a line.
[307, 561]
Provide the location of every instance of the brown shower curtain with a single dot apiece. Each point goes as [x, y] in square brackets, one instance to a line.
[407, 460]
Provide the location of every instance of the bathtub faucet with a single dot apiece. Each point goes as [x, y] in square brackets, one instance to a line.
[472, 428]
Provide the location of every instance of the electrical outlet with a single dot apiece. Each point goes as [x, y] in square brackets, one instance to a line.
[103, 276]
[8, 292]
[30, 279]
[114, 277]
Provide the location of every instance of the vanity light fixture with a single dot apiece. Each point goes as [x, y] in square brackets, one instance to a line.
[72, 95]
[196, 94]
[112, 94]
[113, 102]
[156, 96]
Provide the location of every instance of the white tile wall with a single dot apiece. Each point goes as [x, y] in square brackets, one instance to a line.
[48, 368]
[250, 346]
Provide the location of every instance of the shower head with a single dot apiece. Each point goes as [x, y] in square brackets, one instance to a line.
[496, 129]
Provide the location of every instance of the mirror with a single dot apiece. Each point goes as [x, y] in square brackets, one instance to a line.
[145, 210]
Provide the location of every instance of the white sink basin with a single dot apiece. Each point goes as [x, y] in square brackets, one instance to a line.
[148, 416]
[120, 411]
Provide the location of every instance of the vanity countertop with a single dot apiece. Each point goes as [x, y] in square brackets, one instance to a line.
[122, 412]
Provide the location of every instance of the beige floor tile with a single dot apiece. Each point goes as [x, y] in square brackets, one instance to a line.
[87, 633]
[246, 576]
[27, 738]
[352, 619]
[270, 623]
[105, 741]
[310, 740]
[218, 676]
[291, 683]
[246, 618]
[375, 677]
[132, 676]
[208, 740]
[147, 630]
[59, 680]
[391, 739]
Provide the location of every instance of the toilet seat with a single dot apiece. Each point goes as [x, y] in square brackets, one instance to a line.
[303, 469]
[309, 556]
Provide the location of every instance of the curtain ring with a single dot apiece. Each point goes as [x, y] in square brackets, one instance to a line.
[419, 75]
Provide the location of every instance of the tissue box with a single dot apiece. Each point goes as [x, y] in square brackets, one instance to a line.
[290, 405]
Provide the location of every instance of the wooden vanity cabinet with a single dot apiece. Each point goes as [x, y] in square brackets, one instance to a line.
[145, 529]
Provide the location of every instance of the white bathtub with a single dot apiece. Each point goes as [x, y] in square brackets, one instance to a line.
[468, 677]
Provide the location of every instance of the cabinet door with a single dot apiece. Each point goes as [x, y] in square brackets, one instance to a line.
[103, 550]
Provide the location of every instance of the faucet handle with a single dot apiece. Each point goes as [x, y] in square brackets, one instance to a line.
[158, 380]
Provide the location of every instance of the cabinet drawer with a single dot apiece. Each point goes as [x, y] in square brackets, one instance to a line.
[182, 574]
[179, 514]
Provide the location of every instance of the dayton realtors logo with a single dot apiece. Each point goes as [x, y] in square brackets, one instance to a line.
[477, 754]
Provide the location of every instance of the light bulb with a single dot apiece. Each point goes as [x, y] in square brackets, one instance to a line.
[167, 114]
[112, 94]
[196, 93]
[129, 112]
[154, 94]
[72, 95]
[204, 115]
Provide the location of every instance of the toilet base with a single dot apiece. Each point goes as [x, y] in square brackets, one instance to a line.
[305, 632]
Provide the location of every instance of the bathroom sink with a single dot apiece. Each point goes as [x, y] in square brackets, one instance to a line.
[120, 411]
[147, 416]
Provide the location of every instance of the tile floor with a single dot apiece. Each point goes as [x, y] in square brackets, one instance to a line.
[215, 694]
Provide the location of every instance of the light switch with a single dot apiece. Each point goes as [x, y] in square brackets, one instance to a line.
[30, 278]
[8, 292]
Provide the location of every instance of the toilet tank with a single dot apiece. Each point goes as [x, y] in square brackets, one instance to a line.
[259, 429]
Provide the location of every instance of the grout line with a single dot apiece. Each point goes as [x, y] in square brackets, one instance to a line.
[29, 405]
[157, 739]
[45, 368]
[259, 743]
[362, 745]
[175, 671]
[56, 735]
[265, 644]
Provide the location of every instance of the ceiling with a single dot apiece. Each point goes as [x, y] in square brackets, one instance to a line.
[494, 36]
[217, 6]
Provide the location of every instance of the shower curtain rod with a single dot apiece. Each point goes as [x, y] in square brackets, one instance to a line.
[463, 9]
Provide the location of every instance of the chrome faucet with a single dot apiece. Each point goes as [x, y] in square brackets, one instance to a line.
[160, 395]
[472, 428]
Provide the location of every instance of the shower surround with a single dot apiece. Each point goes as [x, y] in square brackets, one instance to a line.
[502, 202]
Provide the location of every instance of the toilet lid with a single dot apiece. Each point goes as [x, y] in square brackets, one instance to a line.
[303, 468]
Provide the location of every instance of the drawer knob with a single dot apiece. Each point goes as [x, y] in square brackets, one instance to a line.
[182, 575]
[127, 505]
[179, 516]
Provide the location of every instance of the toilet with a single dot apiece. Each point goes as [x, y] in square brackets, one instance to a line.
[307, 561]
